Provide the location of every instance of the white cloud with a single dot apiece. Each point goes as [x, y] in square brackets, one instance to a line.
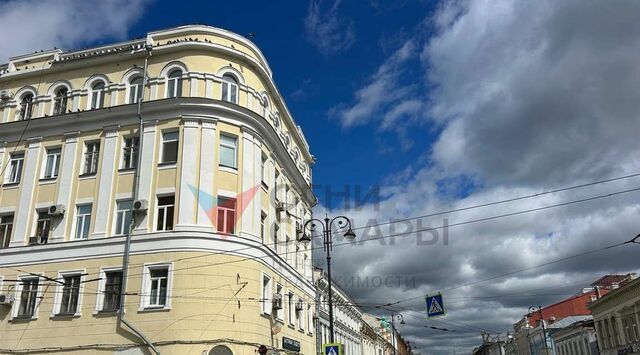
[326, 29]
[29, 25]
[529, 97]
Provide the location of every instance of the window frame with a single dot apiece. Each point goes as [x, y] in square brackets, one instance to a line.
[163, 147]
[55, 165]
[291, 308]
[60, 102]
[134, 94]
[44, 239]
[130, 151]
[167, 210]
[60, 293]
[225, 210]
[174, 83]
[86, 220]
[266, 292]
[280, 312]
[145, 304]
[26, 106]
[16, 166]
[17, 305]
[91, 168]
[229, 88]
[5, 238]
[97, 96]
[124, 212]
[227, 145]
[101, 294]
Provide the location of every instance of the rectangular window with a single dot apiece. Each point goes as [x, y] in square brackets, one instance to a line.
[165, 213]
[70, 295]
[266, 294]
[280, 312]
[290, 308]
[83, 221]
[309, 318]
[169, 147]
[15, 169]
[28, 297]
[276, 237]
[226, 215]
[123, 216]
[228, 154]
[263, 222]
[263, 171]
[91, 155]
[52, 164]
[158, 279]
[6, 226]
[130, 153]
[112, 287]
[300, 314]
[42, 226]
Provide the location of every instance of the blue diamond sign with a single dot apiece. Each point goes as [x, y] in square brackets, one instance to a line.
[435, 306]
[332, 349]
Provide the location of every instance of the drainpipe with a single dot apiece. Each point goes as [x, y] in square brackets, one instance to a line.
[127, 246]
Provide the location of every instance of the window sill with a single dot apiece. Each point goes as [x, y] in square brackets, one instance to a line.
[126, 171]
[228, 169]
[11, 185]
[87, 176]
[48, 181]
[291, 326]
[154, 309]
[23, 318]
[65, 316]
[105, 313]
[167, 165]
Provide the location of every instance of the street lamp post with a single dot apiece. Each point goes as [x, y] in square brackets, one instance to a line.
[544, 331]
[327, 232]
[393, 329]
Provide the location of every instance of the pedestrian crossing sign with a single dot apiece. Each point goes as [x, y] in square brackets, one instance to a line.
[435, 306]
[332, 349]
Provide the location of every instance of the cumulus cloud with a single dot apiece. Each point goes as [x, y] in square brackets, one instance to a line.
[529, 97]
[326, 29]
[68, 24]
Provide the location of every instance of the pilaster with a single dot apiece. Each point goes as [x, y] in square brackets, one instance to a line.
[188, 172]
[29, 178]
[206, 196]
[65, 179]
[106, 181]
[147, 170]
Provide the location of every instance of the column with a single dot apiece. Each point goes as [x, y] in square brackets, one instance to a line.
[29, 178]
[75, 100]
[188, 173]
[271, 182]
[257, 183]
[208, 87]
[66, 176]
[249, 187]
[108, 152]
[206, 197]
[147, 170]
[7, 110]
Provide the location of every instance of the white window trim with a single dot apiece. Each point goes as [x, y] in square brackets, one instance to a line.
[57, 297]
[85, 151]
[162, 143]
[16, 302]
[235, 149]
[310, 314]
[300, 315]
[135, 148]
[267, 304]
[101, 286]
[75, 221]
[129, 87]
[7, 174]
[56, 165]
[146, 284]
[291, 307]
[157, 214]
[115, 216]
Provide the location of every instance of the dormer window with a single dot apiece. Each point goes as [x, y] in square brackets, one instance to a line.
[174, 83]
[229, 88]
[135, 89]
[26, 106]
[97, 95]
[60, 101]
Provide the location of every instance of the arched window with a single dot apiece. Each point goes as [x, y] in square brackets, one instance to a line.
[174, 83]
[97, 95]
[135, 89]
[220, 350]
[229, 88]
[26, 106]
[60, 101]
[265, 106]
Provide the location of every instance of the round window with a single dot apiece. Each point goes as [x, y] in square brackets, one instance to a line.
[220, 350]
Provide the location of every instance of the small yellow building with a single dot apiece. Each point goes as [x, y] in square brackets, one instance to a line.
[201, 153]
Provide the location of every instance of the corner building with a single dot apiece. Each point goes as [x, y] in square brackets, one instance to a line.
[224, 181]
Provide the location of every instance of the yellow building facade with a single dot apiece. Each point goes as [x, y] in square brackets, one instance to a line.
[218, 179]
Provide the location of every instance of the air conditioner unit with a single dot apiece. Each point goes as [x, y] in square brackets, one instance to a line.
[299, 305]
[140, 205]
[277, 301]
[6, 300]
[5, 95]
[281, 210]
[56, 210]
[36, 240]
